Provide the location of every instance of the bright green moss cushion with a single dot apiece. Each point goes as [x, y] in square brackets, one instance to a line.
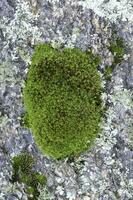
[62, 96]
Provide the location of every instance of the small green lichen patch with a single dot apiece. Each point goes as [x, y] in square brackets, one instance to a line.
[62, 97]
[23, 173]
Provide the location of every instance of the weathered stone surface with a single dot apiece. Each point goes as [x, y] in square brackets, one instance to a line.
[105, 172]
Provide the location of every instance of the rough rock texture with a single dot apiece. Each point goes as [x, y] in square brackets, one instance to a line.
[105, 172]
[111, 9]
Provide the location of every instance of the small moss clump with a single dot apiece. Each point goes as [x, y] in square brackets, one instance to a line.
[23, 173]
[107, 72]
[62, 96]
[117, 48]
[24, 122]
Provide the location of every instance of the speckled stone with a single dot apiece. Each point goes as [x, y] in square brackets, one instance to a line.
[105, 171]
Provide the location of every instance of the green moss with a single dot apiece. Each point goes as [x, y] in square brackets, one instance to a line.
[107, 73]
[22, 166]
[23, 173]
[62, 97]
[40, 178]
[117, 48]
[24, 122]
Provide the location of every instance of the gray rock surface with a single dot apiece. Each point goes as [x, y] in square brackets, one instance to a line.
[104, 172]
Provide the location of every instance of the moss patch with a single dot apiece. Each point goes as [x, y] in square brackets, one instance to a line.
[117, 48]
[62, 97]
[24, 122]
[23, 173]
[107, 72]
